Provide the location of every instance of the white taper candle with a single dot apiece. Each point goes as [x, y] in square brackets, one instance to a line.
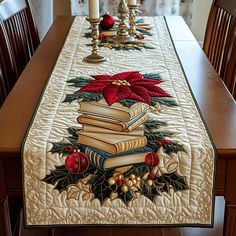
[132, 2]
[94, 9]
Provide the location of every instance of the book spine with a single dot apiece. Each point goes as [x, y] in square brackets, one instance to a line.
[95, 158]
[131, 144]
[136, 111]
[136, 124]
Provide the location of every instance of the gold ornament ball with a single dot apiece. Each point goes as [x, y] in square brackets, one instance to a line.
[120, 176]
[149, 183]
[111, 181]
[132, 176]
[129, 183]
[138, 179]
[124, 188]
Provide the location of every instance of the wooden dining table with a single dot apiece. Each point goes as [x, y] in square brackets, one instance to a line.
[217, 107]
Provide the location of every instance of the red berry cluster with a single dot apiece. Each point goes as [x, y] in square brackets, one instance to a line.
[140, 37]
[69, 148]
[102, 36]
[163, 141]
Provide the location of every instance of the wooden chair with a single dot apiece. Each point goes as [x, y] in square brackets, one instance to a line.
[229, 73]
[21, 30]
[8, 71]
[218, 30]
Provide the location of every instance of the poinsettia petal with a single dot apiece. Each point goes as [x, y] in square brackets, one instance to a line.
[134, 77]
[113, 93]
[140, 94]
[93, 86]
[102, 77]
[124, 75]
[156, 91]
[144, 81]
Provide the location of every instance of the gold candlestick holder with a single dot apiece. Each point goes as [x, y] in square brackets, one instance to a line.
[94, 57]
[122, 33]
[132, 20]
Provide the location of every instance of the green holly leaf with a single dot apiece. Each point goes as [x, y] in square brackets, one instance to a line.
[149, 191]
[154, 76]
[157, 135]
[173, 147]
[79, 82]
[87, 35]
[163, 101]
[125, 197]
[59, 147]
[153, 136]
[151, 124]
[140, 20]
[100, 186]
[83, 96]
[152, 144]
[144, 31]
[74, 130]
[127, 102]
[175, 180]
[137, 170]
[62, 179]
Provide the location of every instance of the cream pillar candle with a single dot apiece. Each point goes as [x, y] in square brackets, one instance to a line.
[132, 2]
[94, 9]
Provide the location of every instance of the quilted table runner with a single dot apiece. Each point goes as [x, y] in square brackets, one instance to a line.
[121, 142]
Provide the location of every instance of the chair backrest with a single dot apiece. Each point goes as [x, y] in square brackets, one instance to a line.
[8, 71]
[219, 27]
[21, 30]
[229, 73]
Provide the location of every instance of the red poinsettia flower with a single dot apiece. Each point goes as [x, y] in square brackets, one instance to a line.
[124, 85]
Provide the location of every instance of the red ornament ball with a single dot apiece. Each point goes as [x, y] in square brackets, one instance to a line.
[77, 163]
[151, 159]
[107, 22]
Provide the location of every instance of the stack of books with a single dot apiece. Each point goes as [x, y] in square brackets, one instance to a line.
[113, 135]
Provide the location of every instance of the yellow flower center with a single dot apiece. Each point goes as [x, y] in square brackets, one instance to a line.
[121, 82]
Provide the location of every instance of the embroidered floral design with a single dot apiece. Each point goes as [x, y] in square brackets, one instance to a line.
[125, 85]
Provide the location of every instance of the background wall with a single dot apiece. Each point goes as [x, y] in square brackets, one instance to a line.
[43, 13]
[47, 10]
[201, 10]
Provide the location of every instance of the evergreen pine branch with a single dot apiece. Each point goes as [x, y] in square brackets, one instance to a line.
[151, 124]
[80, 81]
[164, 101]
[144, 31]
[83, 96]
[154, 76]
[127, 102]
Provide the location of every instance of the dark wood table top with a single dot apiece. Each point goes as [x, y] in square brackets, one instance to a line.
[216, 104]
